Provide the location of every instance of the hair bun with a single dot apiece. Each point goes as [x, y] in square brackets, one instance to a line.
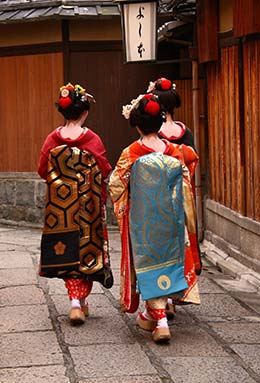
[163, 84]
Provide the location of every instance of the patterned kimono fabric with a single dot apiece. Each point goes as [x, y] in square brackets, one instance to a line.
[184, 286]
[74, 242]
[191, 160]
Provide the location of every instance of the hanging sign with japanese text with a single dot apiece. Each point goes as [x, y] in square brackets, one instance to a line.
[140, 31]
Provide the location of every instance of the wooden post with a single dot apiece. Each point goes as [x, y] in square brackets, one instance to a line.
[195, 111]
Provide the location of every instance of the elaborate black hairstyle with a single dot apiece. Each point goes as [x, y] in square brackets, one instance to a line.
[73, 101]
[145, 113]
[166, 91]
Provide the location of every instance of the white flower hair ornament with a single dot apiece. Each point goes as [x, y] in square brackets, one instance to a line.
[127, 109]
[151, 87]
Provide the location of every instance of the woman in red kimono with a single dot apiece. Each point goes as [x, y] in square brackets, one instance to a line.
[74, 104]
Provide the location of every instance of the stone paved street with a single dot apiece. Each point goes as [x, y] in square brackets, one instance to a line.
[218, 341]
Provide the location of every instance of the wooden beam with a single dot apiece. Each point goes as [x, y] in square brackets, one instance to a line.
[207, 30]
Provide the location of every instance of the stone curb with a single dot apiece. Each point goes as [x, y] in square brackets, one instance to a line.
[230, 266]
[30, 225]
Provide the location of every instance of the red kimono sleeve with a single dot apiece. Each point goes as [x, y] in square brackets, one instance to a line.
[43, 161]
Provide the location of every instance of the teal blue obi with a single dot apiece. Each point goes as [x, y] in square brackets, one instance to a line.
[157, 226]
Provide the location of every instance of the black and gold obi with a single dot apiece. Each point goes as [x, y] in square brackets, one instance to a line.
[74, 240]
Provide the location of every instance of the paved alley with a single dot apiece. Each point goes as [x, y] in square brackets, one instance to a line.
[218, 341]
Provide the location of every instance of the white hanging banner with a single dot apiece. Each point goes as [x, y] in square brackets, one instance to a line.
[140, 31]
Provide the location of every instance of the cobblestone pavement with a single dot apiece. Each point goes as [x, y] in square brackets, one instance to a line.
[218, 341]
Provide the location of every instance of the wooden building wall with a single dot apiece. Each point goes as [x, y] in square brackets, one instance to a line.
[233, 123]
[246, 15]
[185, 113]
[113, 84]
[27, 109]
[251, 62]
[28, 92]
[33, 71]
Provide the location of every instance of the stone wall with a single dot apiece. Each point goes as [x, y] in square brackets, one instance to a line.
[22, 200]
[236, 235]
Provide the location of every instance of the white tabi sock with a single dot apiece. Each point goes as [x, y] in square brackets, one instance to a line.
[75, 303]
[162, 323]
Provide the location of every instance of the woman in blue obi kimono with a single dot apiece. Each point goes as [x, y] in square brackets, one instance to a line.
[153, 202]
[178, 133]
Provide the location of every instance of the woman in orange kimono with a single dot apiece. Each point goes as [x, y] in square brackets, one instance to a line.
[178, 133]
[153, 202]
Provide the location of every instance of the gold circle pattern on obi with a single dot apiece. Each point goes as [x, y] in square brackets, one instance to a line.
[164, 282]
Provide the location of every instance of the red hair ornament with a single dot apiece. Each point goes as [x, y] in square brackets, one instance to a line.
[152, 107]
[64, 102]
[164, 83]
